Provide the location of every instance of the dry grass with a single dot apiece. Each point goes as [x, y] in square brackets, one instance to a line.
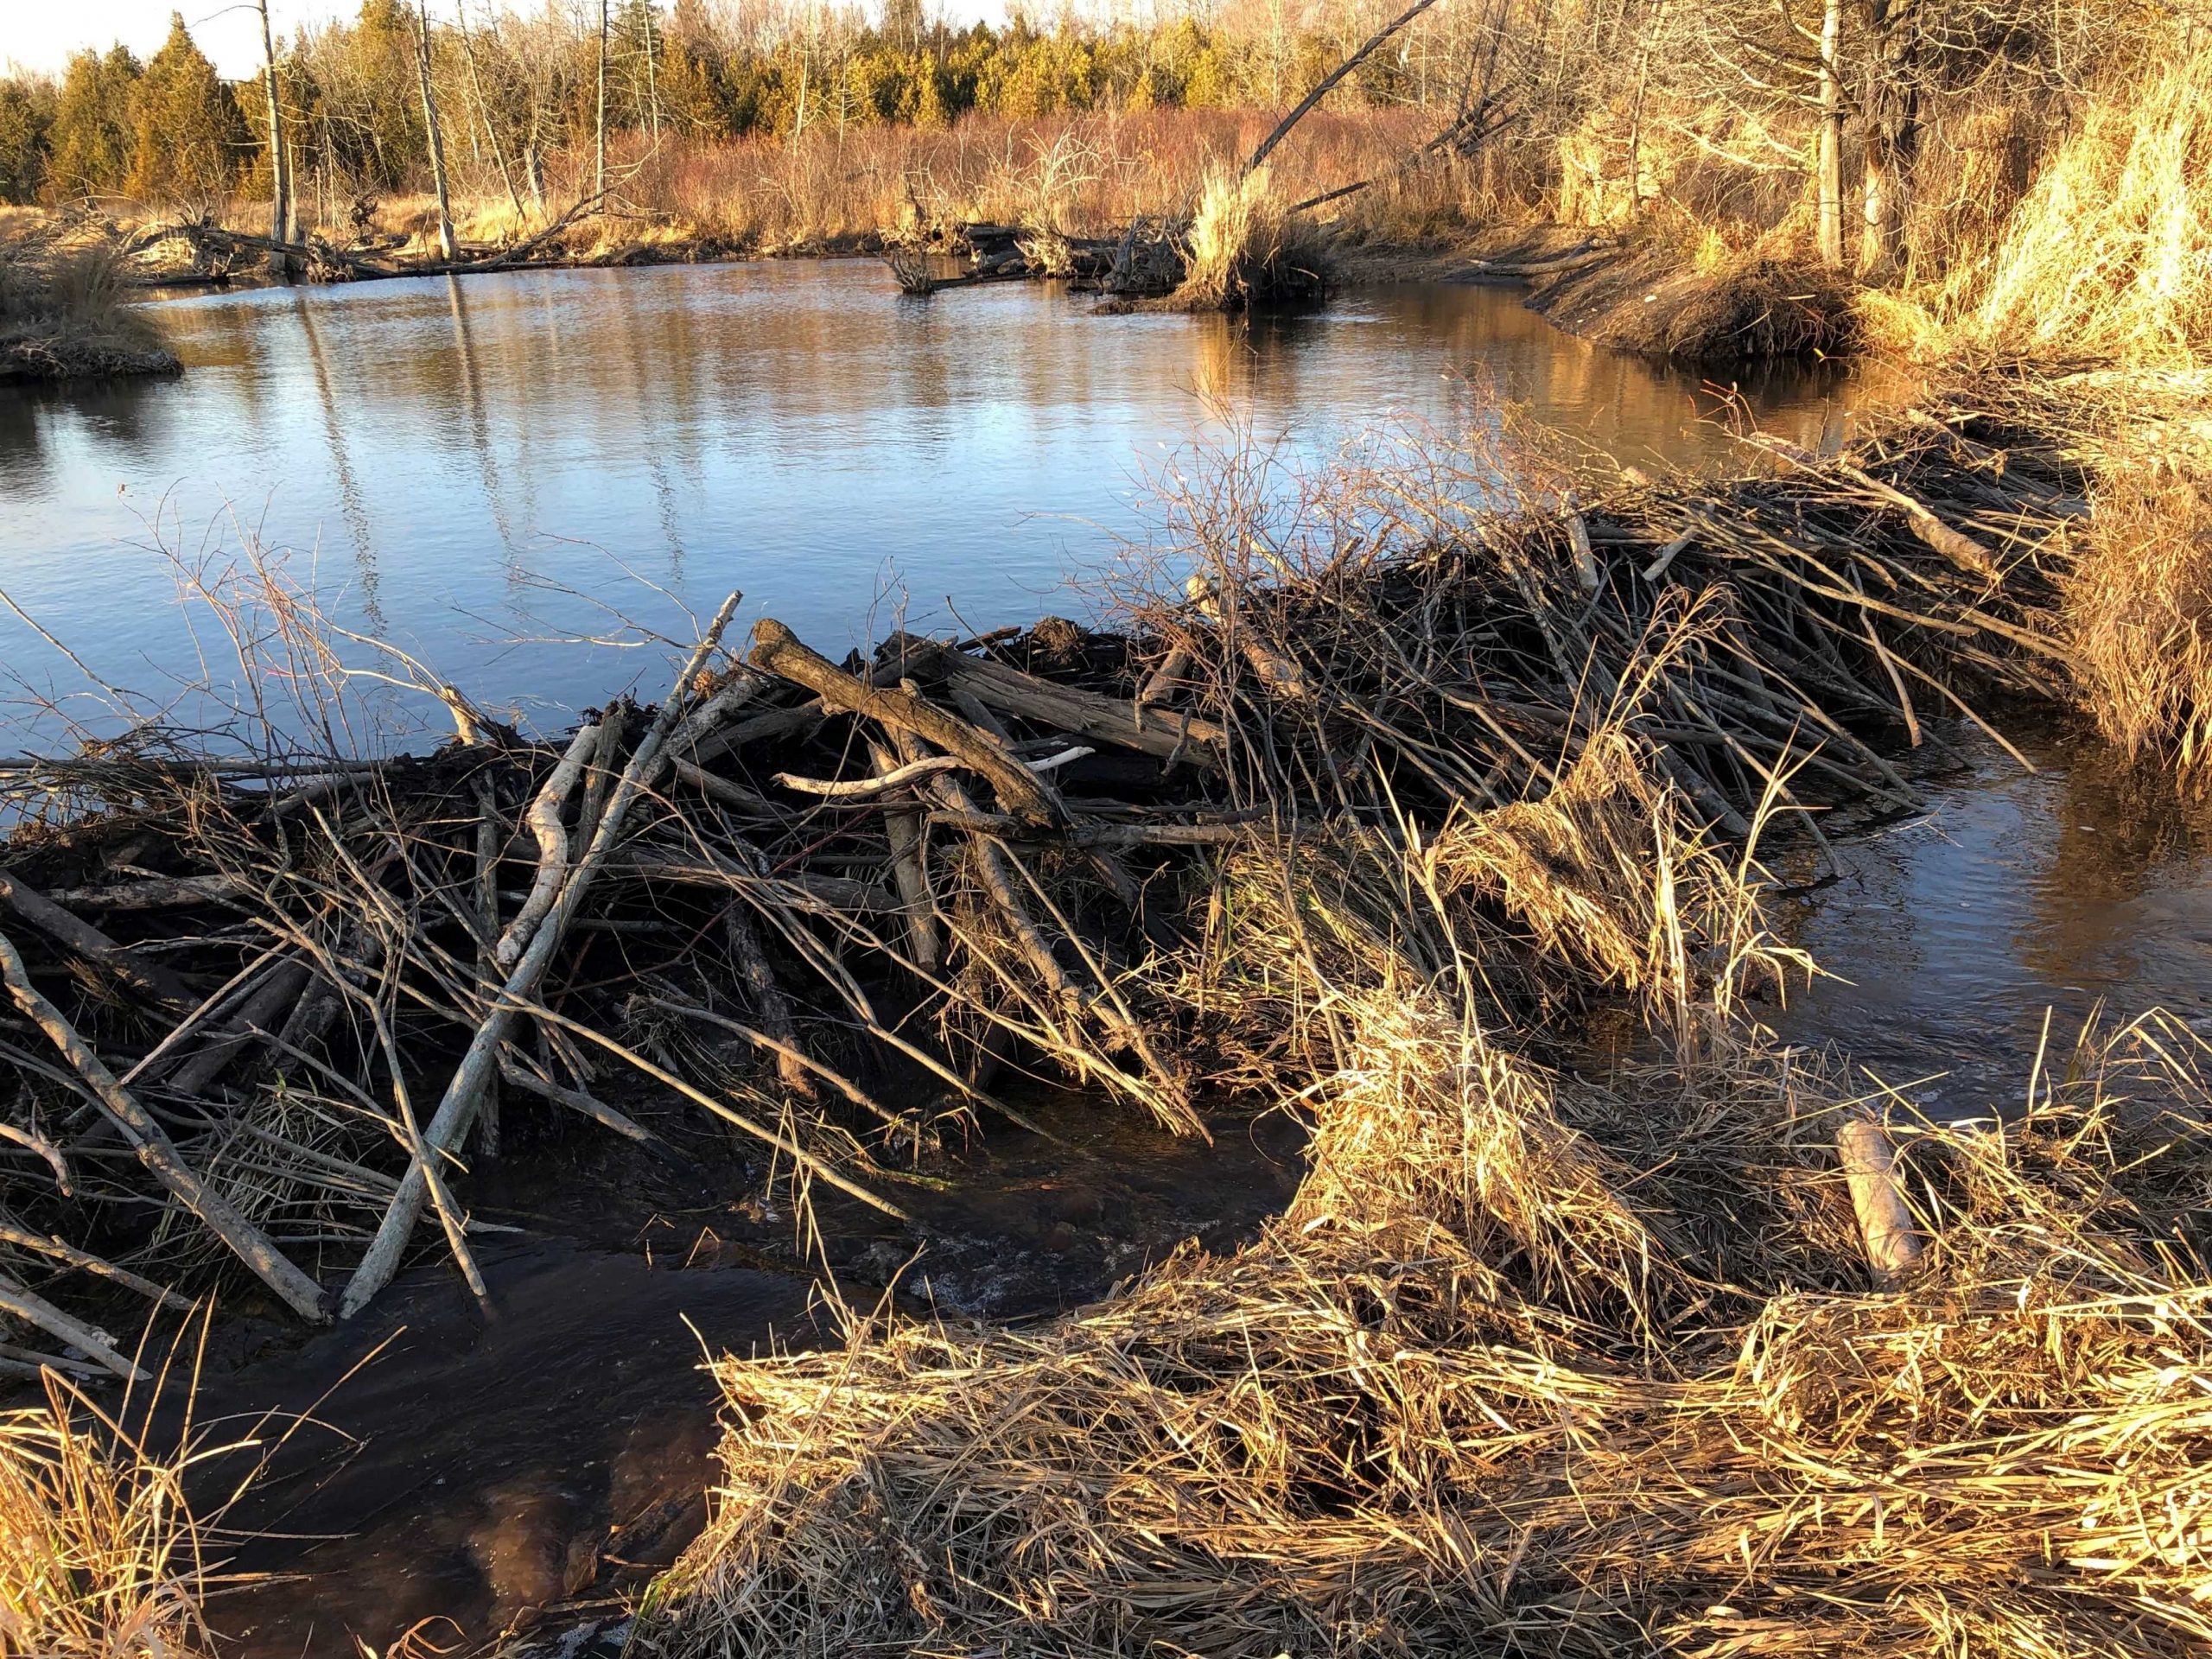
[2137, 603]
[1537, 1363]
[65, 311]
[2110, 252]
[1077, 175]
[1247, 253]
[100, 1556]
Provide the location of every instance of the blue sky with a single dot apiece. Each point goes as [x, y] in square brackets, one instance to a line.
[41, 36]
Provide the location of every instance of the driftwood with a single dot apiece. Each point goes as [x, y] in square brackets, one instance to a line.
[1893, 1243]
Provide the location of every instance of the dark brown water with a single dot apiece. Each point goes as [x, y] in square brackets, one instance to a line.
[468, 1473]
[1953, 930]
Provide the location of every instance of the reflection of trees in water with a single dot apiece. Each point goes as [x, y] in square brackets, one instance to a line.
[660, 384]
[2122, 831]
[479, 425]
[351, 506]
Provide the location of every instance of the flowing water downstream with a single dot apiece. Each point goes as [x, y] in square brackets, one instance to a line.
[488, 472]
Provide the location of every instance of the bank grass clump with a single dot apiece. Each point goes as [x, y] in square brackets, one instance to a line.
[1247, 252]
[100, 1556]
[2109, 253]
[65, 313]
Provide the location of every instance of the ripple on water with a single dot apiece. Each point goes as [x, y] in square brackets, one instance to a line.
[1953, 932]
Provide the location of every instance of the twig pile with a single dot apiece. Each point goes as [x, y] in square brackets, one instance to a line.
[267, 1006]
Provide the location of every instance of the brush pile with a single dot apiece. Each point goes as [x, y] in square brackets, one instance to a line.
[1536, 1365]
[64, 314]
[268, 1006]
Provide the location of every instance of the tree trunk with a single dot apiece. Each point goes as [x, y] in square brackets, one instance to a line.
[484, 113]
[1636, 111]
[599, 182]
[1892, 135]
[280, 159]
[446, 244]
[652, 72]
[1831, 157]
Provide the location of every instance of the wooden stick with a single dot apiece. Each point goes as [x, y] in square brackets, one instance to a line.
[543, 818]
[490, 838]
[1066, 707]
[770, 1006]
[44, 1149]
[149, 979]
[261, 1013]
[778, 650]
[729, 794]
[87, 1262]
[1893, 1243]
[514, 1072]
[846, 789]
[36, 1309]
[904, 830]
[153, 892]
[156, 1152]
[457, 1109]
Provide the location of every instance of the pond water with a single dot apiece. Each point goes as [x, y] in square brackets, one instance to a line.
[479, 469]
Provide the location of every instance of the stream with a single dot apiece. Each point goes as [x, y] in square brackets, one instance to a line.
[492, 472]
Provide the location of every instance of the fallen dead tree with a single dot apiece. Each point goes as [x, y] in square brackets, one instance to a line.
[217, 251]
[823, 903]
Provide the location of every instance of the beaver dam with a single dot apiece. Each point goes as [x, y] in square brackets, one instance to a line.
[1691, 1348]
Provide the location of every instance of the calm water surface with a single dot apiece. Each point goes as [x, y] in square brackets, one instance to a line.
[463, 466]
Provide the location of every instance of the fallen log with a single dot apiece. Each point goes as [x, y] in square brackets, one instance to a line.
[148, 979]
[778, 651]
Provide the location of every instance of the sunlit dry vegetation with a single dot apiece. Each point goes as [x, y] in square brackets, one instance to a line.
[100, 1557]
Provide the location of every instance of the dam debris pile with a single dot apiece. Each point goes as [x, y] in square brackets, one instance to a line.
[269, 1004]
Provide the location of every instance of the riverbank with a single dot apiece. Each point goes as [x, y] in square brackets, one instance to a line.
[828, 906]
[65, 310]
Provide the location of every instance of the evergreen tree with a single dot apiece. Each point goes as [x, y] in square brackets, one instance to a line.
[91, 140]
[192, 137]
[26, 119]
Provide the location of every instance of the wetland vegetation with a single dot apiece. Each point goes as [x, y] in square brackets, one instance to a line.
[1437, 808]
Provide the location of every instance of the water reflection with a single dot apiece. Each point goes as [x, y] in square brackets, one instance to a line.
[2086, 882]
[489, 455]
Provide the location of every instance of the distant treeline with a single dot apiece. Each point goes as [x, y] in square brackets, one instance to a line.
[521, 86]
